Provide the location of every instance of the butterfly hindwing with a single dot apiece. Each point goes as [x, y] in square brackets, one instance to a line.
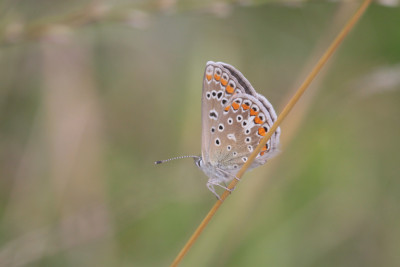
[243, 123]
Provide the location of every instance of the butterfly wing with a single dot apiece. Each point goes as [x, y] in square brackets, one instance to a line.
[219, 85]
[248, 122]
[235, 118]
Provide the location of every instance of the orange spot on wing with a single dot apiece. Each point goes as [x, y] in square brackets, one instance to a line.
[258, 120]
[261, 131]
[224, 82]
[227, 108]
[253, 113]
[264, 149]
[217, 77]
[229, 89]
[245, 107]
[208, 76]
[235, 106]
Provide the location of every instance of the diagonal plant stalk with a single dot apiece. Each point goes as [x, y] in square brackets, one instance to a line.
[289, 106]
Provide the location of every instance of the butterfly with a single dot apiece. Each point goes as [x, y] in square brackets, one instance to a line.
[234, 120]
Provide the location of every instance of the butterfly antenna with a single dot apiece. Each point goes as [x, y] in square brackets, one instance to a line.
[181, 157]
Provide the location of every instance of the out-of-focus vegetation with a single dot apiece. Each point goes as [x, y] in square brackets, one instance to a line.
[91, 94]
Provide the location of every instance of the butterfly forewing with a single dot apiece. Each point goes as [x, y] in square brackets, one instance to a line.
[218, 88]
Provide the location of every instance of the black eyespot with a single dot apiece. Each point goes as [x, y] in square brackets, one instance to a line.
[217, 142]
[212, 129]
[247, 131]
[208, 95]
[248, 139]
[214, 93]
[230, 121]
[244, 123]
[213, 114]
[239, 118]
[221, 127]
[224, 101]
[229, 148]
[219, 95]
[244, 159]
[254, 108]
[235, 153]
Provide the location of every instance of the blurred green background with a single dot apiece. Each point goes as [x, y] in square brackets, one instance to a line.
[92, 93]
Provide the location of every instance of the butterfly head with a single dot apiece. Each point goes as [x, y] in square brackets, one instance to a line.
[198, 161]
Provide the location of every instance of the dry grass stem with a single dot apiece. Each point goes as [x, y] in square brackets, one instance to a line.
[322, 61]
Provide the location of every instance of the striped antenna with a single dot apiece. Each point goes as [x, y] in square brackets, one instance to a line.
[181, 157]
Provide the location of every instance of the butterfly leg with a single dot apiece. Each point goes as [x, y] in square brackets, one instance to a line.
[212, 189]
[231, 175]
[220, 185]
